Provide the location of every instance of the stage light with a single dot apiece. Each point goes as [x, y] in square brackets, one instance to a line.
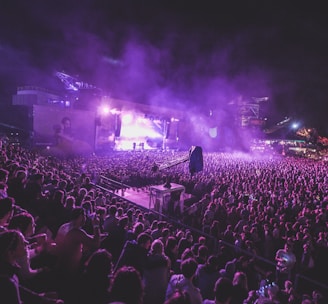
[295, 125]
[127, 119]
[103, 110]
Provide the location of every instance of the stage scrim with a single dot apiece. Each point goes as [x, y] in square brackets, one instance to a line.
[65, 131]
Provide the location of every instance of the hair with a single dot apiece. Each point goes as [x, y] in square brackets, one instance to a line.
[123, 221]
[188, 267]
[99, 263]
[203, 250]
[240, 279]
[3, 174]
[157, 247]
[143, 238]
[21, 174]
[70, 201]
[9, 240]
[59, 196]
[187, 253]
[6, 205]
[213, 261]
[171, 243]
[223, 289]
[138, 228]
[3, 186]
[76, 212]
[112, 210]
[21, 221]
[127, 277]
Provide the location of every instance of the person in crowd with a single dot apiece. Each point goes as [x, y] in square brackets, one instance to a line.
[16, 186]
[115, 240]
[12, 248]
[171, 250]
[96, 276]
[283, 197]
[240, 288]
[72, 241]
[135, 253]
[73, 246]
[184, 281]
[185, 242]
[223, 292]
[157, 273]
[206, 276]
[126, 286]
[111, 220]
[286, 261]
[6, 212]
[24, 222]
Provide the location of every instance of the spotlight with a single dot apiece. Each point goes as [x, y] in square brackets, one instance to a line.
[104, 110]
[295, 125]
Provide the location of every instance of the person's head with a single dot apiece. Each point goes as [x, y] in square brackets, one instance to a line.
[6, 209]
[202, 240]
[70, 202]
[138, 228]
[66, 122]
[240, 279]
[223, 291]
[157, 247]
[171, 244]
[318, 297]
[21, 175]
[165, 233]
[4, 175]
[12, 246]
[127, 277]
[273, 292]
[188, 268]
[59, 196]
[24, 222]
[123, 222]
[99, 264]
[82, 192]
[213, 261]
[38, 178]
[288, 247]
[187, 253]
[112, 210]
[78, 216]
[203, 251]
[144, 240]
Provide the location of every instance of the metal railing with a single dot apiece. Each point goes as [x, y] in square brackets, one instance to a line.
[263, 264]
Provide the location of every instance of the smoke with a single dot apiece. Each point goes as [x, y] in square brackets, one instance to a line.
[180, 58]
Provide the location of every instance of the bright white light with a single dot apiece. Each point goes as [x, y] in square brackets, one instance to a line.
[213, 132]
[115, 111]
[127, 119]
[295, 125]
[104, 110]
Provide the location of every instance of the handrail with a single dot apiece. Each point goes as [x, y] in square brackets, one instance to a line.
[114, 181]
[217, 242]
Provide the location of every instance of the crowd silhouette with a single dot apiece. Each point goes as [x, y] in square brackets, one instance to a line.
[253, 231]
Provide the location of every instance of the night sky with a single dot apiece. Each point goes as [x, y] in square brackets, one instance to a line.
[200, 54]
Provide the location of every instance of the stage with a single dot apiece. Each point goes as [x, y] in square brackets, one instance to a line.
[155, 197]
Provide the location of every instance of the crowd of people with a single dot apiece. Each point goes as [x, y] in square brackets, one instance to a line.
[254, 231]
